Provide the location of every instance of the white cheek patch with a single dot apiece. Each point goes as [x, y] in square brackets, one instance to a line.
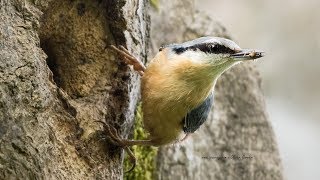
[197, 56]
[202, 57]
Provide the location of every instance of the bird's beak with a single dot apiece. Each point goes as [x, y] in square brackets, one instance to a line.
[247, 54]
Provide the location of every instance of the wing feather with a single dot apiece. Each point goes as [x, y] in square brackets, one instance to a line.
[197, 116]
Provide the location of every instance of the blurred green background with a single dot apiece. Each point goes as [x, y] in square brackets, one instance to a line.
[289, 32]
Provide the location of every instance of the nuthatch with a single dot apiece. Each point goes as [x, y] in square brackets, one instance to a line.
[178, 87]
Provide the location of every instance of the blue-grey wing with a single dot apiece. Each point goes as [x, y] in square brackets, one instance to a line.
[197, 116]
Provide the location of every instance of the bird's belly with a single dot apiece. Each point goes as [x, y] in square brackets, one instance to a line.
[164, 125]
[163, 112]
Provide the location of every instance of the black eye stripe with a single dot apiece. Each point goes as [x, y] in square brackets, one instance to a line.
[179, 50]
[207, 48]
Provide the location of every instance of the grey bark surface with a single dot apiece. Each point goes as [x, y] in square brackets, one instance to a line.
[237, 141]
[57, 77]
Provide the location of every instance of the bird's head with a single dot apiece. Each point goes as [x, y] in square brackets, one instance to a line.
[219, 53]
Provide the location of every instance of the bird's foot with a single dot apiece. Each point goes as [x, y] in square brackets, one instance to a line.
[113, 135]
[130, 59]
[115, 139]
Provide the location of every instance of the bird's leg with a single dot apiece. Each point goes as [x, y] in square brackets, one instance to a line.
[129, 59]
[110, 131]
[115, 139]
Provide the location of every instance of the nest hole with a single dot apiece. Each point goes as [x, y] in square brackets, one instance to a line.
[74, 35]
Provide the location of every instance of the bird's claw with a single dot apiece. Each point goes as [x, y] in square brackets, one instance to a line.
[129, 59]
[112, 134]
[132, 159]
[115, 139]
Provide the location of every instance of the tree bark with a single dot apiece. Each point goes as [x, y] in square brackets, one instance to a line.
[57, 76]
[237, 141]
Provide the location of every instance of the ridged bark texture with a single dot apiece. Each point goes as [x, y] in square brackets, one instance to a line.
[58, 76]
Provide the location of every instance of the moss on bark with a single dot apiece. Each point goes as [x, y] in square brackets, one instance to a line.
[146, 155]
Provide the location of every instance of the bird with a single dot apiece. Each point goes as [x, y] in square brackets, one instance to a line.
[177, 87]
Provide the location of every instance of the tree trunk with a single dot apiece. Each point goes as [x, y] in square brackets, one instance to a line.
[237, 141]
[57, 76]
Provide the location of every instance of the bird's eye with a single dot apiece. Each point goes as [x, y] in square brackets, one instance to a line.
[220, 49]
[211, 46]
